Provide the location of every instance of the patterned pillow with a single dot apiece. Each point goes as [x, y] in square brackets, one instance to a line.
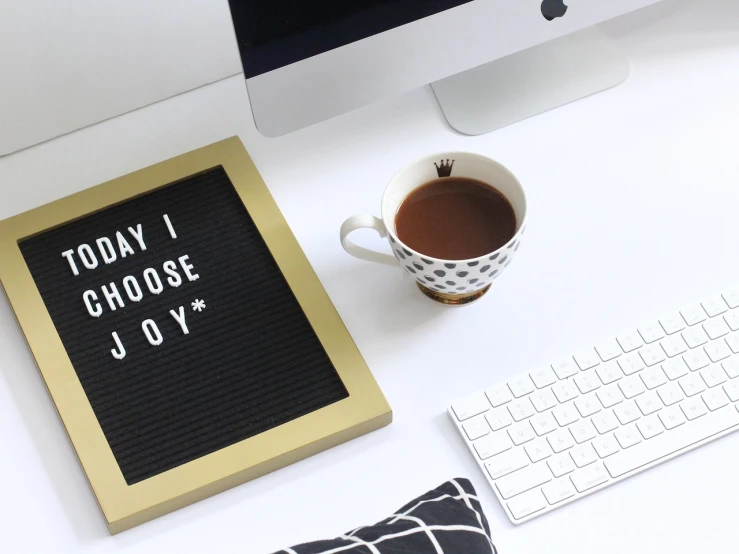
[446, 520]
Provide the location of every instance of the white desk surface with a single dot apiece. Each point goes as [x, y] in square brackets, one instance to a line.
[634, 197]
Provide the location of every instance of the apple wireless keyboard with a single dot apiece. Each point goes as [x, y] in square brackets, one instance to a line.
[545, 438]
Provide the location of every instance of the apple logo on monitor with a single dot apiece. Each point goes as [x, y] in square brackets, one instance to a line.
[552, 9]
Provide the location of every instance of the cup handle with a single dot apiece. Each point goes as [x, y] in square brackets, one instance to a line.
[365, 221]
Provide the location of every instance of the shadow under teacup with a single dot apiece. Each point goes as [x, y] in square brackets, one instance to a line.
[451, 282]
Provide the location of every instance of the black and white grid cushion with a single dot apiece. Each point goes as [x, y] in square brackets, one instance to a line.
[446, 520]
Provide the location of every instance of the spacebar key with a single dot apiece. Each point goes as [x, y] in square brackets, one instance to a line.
[672, 441]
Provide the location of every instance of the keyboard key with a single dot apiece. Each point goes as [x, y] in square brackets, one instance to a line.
[523, 480]
[564, 391]
[543, 423]
[557, 491]
[713, 376]
[587, 358]
[561, 465]
[543, 377]
[560, 441]
[608, 350]
[586, 479]
[587, 381]
[492, 444]
[651, 332]
[674, 346]
[693, 314]
[733, 342]
[499, 395]
[672, 324]
[731, 367]
[695, 337]
[521, 433]
[693, 408]
[538, 450]
[731, 297]
[629, 341]
[610, 396]
[521, 386]
[543, 400]
[506, 463]
[609, 373]
[605, 446]
[470, 407]
[732, 390]
[717, 351]
[672, 417]
[605, 422]
[649, 403]
[714, 305]
[696, 359]
[674, 369]
[715, 399]
[583, 455]
[627, 436]
[732, 320]
[476, 428]
[521, 409]
[652, 354]
[527, 504]
[566, 368]
[627, 412]
[498, 419]
[588, 405]
[715, 328]
[670, 443]
[631, 386]
[650, 426]
[670, 394]
[653, 377]
[692, 384]
[631, 363]
[582, 431]
[565, 414]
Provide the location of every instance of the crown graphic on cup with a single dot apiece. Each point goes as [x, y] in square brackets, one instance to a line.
[444, 169]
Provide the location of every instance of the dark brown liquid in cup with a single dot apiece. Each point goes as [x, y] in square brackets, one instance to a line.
[455, 218]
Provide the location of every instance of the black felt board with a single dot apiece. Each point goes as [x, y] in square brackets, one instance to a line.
[250, 362]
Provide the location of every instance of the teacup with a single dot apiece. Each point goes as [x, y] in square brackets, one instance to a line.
[453, 282]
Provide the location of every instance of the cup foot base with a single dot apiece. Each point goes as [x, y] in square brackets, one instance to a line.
[453, 299]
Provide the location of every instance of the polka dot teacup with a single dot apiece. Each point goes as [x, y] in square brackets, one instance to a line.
[454, 282]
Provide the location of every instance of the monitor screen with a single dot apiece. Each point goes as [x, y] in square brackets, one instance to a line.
[276, 33]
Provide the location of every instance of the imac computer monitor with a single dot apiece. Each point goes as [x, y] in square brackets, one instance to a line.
[490, 62]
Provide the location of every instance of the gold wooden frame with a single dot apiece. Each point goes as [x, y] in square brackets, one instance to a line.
[126, 506]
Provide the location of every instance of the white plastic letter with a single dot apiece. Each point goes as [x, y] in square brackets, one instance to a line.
[169, 227]
[152, 332]
[174, 279]
[123, 245]
[89, 297]
[106, 250]
[138, 234]
[111, 295]
[69, 254]
[153, 281]
[133, 290]
[180, 318]
[186, 267]
[121, 352]
[87, 256]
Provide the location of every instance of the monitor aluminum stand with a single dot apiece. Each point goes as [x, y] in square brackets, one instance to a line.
[531, 81]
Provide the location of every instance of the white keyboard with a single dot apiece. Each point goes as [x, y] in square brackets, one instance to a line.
[548, 437]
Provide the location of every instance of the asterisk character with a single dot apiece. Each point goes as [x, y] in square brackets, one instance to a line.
[198, 305]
